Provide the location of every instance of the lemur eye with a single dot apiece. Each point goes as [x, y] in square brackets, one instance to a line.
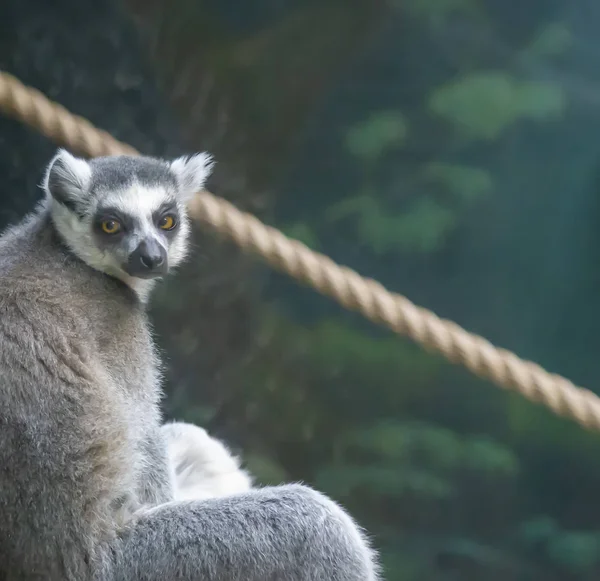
[110, 226]
[167, 222]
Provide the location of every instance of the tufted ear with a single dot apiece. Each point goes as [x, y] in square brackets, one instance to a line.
[67, 178]
[191, 173]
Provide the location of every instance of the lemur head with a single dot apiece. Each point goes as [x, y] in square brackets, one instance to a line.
[125, 216]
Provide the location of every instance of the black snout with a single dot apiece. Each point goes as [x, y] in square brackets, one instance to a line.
[148, 260]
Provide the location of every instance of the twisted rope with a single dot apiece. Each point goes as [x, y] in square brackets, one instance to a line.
[354, 292]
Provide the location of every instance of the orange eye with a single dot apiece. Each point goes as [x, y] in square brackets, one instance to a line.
[167, 223]
[110, 226]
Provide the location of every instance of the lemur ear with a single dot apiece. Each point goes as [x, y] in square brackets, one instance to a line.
[191, 173]
[67, 178]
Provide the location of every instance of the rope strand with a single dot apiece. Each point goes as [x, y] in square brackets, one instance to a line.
[347, 287]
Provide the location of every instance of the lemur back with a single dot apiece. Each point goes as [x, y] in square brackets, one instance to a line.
[75, 405]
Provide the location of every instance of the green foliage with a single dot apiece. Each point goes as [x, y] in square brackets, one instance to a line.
[483, 105]
[402, 565]
[198, 414]
[337, 358]
[380, 481]
[408, 458]
[551, 40]
[371, 419]
[573, 551]
[435, 11]
[576, 551]
[436, 446]
[484, 455]
[462, 181]
[302, 232]
[336, 344]
[265, 469]
[537, 530]
[421, 228]
[369, 139]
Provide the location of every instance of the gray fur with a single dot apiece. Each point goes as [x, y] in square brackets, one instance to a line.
[86, 489]
[111, 174]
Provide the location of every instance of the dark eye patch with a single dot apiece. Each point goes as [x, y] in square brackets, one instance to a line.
[167, 209]
[108, 213]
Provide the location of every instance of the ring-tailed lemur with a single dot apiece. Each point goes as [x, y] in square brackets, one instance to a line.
[87, 491]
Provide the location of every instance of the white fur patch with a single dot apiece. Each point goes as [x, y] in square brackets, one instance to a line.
[204, 467]
[192, 173]
[138, 200]
[76, 235]
[74, 173]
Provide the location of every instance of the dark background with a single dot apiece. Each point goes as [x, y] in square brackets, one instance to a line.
[449, 149]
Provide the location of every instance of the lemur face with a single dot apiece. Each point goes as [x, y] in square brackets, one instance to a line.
[125, 216]
[140, 226]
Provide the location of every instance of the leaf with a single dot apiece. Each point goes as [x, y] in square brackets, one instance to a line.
[381, 480]
[553, 39]
[441, 447]
[480, 104]
[539, 100]
[462, 181]
[198, 414]
[370, 138]
[483, 105]
[578, 551]
[422, 227]
[403, 565]
[265, 469]
[485, 455]
[303, 233]
[391, 440]
[398, 441]
[350, 206]
[436, 11]
[477, 552]
[537, 529]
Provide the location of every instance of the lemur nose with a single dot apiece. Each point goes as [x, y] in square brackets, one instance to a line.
[149, 259]
[150, 254]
